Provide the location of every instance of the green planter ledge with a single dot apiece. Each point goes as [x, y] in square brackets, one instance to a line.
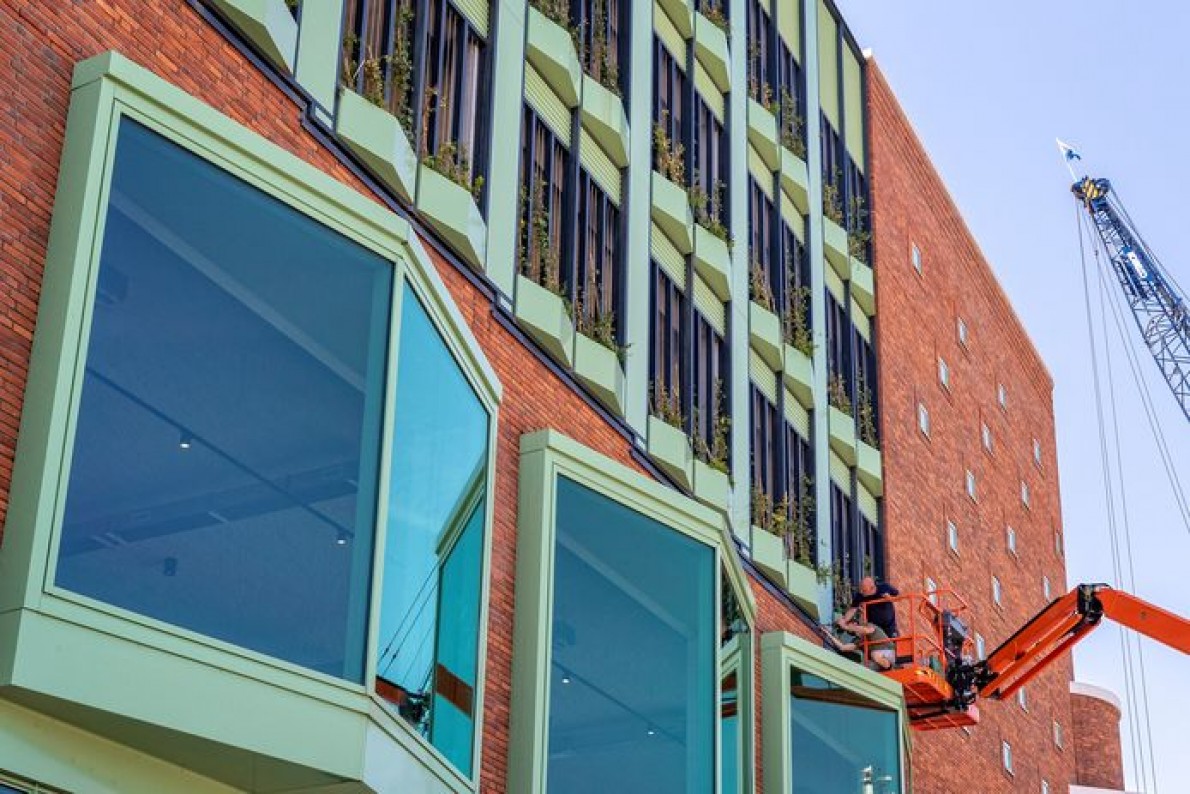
[449, 208]
[710, 47]
[377, 138]
[842, 429]
[712, 261]
[795, 180]
[604, 117]
[681, 13]
[711, 486]
[598, 367]
[268, 25]
[768, 553]
[671, 211]
[551, 51]
[762, 134]
[868, 468]
[670, 448]
[801, 582]
[834, 240]
[544, 317]
[764, 332]
[798, 375]
[863, 287]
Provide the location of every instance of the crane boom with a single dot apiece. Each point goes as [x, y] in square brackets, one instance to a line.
[1157, 304]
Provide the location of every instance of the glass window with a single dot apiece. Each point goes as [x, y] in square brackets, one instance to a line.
[1025, 494]
[633, 643]
[1002, 396]
[916, 257]
[1006, 756]
[1011, 536]
[952, 536]
[1045, 787]
[986, 434]
[430, 597]
[997, 590]
[225, 459]
[1037, 452]
[971, 484]
[1022, 699]
[962, 327]
[923, 418]
[840, 742]
[932, 590]
[1059, 738]
[980, 648]
[1045, 587]
[943, 372]
[733, 655]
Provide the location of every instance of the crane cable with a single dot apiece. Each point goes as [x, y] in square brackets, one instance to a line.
[1136, 719]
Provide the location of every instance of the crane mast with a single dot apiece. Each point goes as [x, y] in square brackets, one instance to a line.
[1157, 304]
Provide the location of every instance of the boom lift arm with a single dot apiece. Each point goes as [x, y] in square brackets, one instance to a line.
[943, 680]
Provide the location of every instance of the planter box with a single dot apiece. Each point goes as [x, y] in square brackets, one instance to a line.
[842, 429]
[377, 138]
[544, 317]
[670, 448]
[834, 240]
[711, 487]
[798, 375]
[681, 13]
[603, 116]
[599, 369]
[267, 24]
[710, 47]
[801, 583]
[868, 468]
[671, 212]
[450, 209]
[762, 134]
[768, 553]
[550, 49]
[712, 261]
[795, 180]
[863, 287]
[764, 333]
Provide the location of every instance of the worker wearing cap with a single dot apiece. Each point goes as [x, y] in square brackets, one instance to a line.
[881, 613]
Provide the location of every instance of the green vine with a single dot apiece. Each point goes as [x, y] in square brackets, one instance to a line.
[836, 393]
[716, 453]
[667, 406]
[858, 235]
[793, 126]
[708, 208]
[540, 261]
[867, 415]
[759, 291]
[760, 90]
[671, 156]
[797, 326]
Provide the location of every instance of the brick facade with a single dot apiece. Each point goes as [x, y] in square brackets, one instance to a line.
[925, 476]
[1098, 753]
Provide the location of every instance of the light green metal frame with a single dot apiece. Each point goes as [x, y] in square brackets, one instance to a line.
[92, 656]
[546, 455]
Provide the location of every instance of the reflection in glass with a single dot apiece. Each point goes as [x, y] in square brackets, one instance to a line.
[632, 682]
[225, 457]
[842, 743]
[433, 554]
[733, 654]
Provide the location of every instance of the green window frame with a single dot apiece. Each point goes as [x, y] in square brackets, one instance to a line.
[547, 456]
[780, 654]
[186, 679]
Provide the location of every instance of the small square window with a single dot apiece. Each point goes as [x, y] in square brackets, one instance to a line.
[1002, 396]
[971, 485]
[943, 372]
[1058, 542]
[931, 590]
[980, 648]
[1011, 536]
[1025, 494]
[1037, 452]
[997, 592]
[985, 433]
[916, 257]
[1022, 699]
[962, 332]
[1045, 588]
[952, 536]
[1006, 756]
[1059, 737]
[923, 419]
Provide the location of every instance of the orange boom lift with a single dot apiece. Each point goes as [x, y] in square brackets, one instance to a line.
[936, 661]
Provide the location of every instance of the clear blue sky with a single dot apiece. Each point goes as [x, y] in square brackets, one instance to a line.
[988, 87]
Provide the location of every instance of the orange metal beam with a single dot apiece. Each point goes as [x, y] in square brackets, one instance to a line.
[1152, 621]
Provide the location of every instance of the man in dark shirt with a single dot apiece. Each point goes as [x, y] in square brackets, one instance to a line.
[880, 614]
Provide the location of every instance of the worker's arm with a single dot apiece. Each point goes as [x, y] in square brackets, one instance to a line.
[890, 590]
[846, 617]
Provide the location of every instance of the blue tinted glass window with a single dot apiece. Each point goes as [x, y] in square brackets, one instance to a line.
[433, 557]
[632, 680]
[731, 779]
[224, 468]
[841, 742]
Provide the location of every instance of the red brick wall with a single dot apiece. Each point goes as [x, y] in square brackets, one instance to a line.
[925, 477]
[1098, 755]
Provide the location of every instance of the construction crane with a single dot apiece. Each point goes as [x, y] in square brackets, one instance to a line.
[937, 665]
[1156, 301]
